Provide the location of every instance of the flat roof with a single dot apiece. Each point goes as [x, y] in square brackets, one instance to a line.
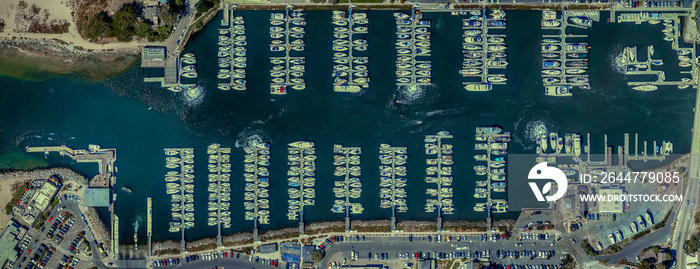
[42, 198]
[97, 197]
[615, 206]
[9, 239]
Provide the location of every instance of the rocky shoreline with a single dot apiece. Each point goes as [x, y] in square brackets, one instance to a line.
[56, 47]
[54, 56]
[64, 173]
[316, 228]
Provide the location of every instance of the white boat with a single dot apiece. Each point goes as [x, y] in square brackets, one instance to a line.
[646, 88]
[478, 87]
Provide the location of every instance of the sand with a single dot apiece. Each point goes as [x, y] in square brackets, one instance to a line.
[6, 192]
[18, 20]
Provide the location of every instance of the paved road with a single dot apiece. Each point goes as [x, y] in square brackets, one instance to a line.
[684, 225]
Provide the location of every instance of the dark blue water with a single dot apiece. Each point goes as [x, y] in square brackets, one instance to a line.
[141, 119]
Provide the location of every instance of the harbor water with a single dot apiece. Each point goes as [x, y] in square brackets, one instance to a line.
[141, 119]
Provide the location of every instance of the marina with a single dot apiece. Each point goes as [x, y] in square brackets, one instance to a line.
[635, 66]
[483, 50]
[350, 45]
[565, 63]
[232, 54]
[439, 172]
[348, 186]
[302, 180]
[494, 142]
[671, 32]
[179, 183]
[412, 48]
[257, 182]
[287, 35]
[393, 180]
[219, 188]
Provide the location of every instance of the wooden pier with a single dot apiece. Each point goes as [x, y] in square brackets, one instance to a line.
[257, 201]
[219, 188]
[293, 72]
[392, 180]
[414, 79]
[347, 161]
[302, 154]
[439, 171]
[487, 59]
[354, 74]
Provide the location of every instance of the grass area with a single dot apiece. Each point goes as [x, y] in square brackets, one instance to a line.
[166, 251]
[361, 1]
[384, 229]
[202, 247]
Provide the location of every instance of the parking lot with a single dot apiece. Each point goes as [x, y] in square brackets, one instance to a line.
[60, 242]
[226, 259]
[530, 248]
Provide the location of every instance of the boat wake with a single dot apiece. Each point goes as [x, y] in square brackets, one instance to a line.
[617, 59]
[532, 128]
[137, 220]
[409, 94]
[248, 138]
[194, 97]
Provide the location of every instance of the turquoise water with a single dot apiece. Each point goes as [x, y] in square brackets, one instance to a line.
[141, 119]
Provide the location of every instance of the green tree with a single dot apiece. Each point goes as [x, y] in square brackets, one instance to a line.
[123, 23]
[691, 245]
[98, 26]
[317, 255]
[143, 29]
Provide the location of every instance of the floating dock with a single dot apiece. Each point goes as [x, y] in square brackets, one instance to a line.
[494, 143]
[439, 172]
[257, 181]
[219, 188]
[413, 42]
[149, 225]
[350, 72]
[349, 186]
[180, 185]
[393, 180]
[232, 53]
[302, 179]
[633, 65]
[483, 51]
[287, 34]
[565, 64]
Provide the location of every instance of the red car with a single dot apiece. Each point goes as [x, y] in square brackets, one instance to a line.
[51, 218]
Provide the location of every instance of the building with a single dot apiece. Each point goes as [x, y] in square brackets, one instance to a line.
[614, 206]
[42, 198]
[9, 239]
[153, 56]
[425, 264]
[306, 253]
[97, 197]
[152, 14]
[268, 248]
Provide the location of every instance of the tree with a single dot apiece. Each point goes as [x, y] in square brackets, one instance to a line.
[317, 255]
[644, 265]
[143, 29]
[123, 23]
[98, 26]
[691, 245]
